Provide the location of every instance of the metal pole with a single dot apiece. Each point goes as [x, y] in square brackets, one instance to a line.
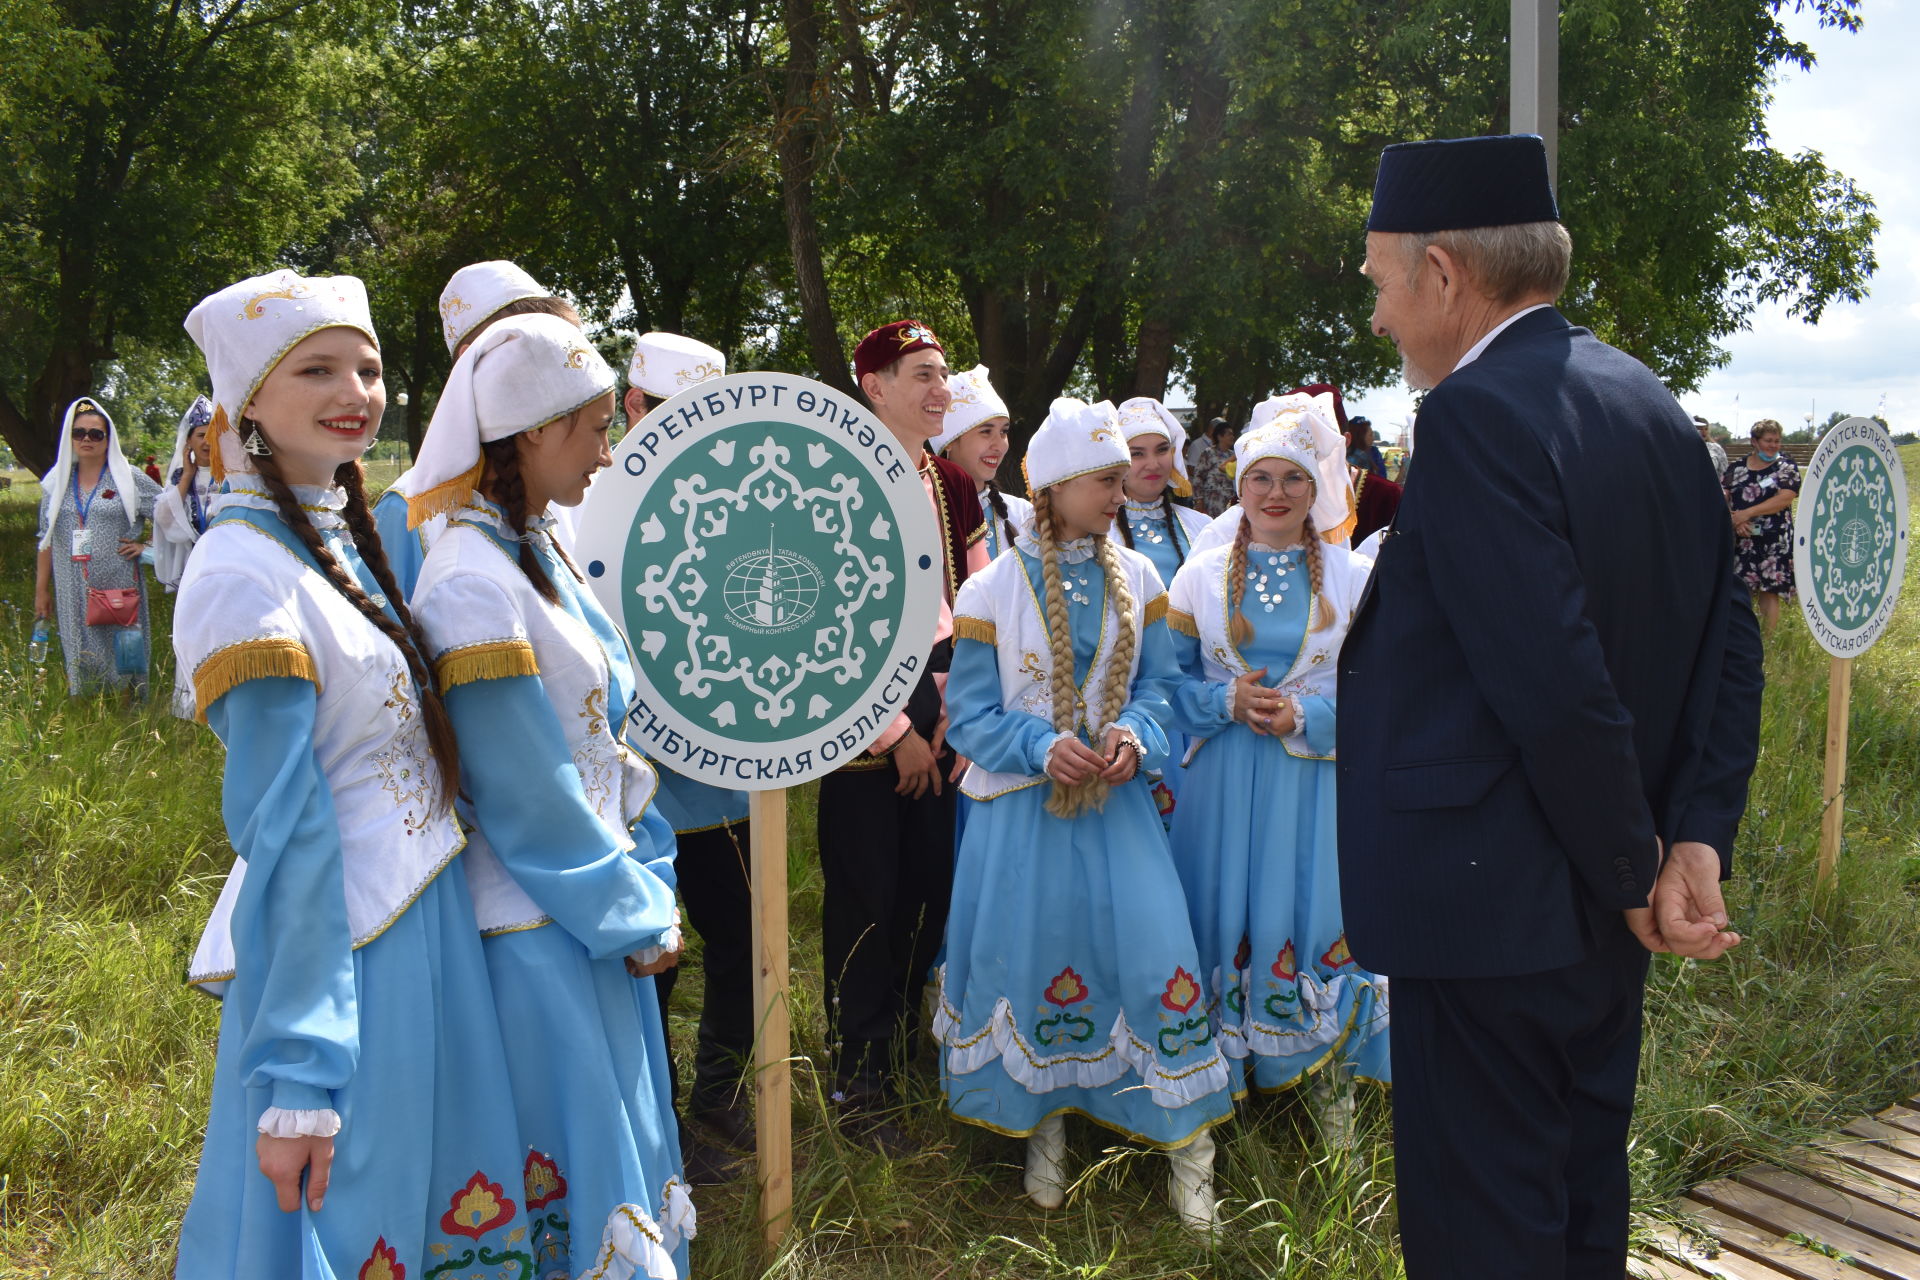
[1536, 75]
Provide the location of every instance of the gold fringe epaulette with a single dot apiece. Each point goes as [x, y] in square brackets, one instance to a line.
[448, 495]
[488, 660]
[965, 628]
[236, 664]
[1183, 623]
[1156, 609]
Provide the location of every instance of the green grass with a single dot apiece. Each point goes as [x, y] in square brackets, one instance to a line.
[111, 852]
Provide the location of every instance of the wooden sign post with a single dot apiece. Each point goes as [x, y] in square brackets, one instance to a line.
[773, 1039]
[1849, 556]
[767, 547]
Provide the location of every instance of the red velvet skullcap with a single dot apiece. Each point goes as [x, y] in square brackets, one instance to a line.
[889, 342]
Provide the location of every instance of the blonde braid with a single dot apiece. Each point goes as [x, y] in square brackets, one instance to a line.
[1119, 683]
[1064, 801]
[1239, 630]
[1323, 608]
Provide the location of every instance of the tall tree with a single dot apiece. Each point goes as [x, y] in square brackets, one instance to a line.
[159, 149]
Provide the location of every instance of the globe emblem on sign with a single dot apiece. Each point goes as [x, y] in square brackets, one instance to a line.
[771, 590]
[1855, 542]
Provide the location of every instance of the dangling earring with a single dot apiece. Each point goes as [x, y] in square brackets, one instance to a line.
[256, 444]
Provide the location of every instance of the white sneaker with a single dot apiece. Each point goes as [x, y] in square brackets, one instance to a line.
[1190, 1184]
[1046, 1180]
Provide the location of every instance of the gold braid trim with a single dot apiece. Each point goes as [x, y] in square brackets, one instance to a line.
[488, 660]
[220, 671]
[445, 497]
[1156, 610]
[979, 532]
[965, 628]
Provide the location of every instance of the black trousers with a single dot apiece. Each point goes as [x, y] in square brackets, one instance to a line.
[715, 886]
[1511, 1099]
[888, 866]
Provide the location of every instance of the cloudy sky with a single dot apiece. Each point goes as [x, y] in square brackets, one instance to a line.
[1852, 108]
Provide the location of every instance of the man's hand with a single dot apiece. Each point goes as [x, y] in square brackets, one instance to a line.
[918, 765]
[283, 1160]
[1687, 907]
[1071, 762]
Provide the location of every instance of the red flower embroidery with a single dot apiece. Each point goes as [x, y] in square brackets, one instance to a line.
[1163, 798]
[1337, 954]
[1182, 991]
[543, 1179]
[383, 1263]
[1286, 968]
[478, 1208]
[1066, 988]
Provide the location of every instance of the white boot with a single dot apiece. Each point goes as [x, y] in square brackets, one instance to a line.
[1046, 1180]
[1190, 1185]
[1333, 1106]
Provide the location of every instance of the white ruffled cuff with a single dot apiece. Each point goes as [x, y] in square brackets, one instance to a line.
[668, 944]
[279, 1122]
[1046, 755]
[1233, 688]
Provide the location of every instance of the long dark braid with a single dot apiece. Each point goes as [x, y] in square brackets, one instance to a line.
[1174, 535]
[506, 486]
[1123, 523]
[998, 501]
[405, 636]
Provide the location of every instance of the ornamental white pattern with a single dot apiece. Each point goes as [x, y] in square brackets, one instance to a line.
[404, 770]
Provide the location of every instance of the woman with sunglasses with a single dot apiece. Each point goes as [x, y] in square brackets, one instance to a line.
[93, 510]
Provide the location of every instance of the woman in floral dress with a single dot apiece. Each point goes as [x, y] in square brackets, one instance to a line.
[1761, 489]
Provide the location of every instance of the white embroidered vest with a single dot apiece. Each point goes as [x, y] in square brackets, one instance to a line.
[1001, 595]
[477, 606]
[249, 606]
[1200, 598]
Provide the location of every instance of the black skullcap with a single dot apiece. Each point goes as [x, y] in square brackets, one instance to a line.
[1453, 183]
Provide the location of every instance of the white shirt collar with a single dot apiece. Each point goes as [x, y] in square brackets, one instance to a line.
[1477, 349]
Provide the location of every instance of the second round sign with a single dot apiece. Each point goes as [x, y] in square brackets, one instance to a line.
[769, 550]
[1850, 539]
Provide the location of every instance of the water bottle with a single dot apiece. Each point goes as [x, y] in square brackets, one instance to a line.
[37, 647]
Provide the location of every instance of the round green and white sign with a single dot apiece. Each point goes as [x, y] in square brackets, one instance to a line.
[1850, 536]
[769, 550]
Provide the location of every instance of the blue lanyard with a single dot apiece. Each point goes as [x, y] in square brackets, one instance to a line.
[81, 508]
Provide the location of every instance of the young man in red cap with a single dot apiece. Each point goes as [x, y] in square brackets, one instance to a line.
[886, 818]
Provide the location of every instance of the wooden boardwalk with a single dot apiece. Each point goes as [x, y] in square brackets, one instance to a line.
[1852, 1212]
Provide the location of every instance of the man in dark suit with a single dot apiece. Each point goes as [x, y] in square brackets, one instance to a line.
[1551, 683]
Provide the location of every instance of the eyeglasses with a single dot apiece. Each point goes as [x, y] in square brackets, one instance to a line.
[1294, 486]
[93, 434]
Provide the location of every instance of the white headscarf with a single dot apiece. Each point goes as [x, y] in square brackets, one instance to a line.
[199, 413]
[522, 373]
[1142, 416]
[119, 470]
[973, 402]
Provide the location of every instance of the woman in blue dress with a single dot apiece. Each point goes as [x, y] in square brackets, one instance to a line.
[1257, 626]
[361, 1123]
[1070, 976]
[572, 872]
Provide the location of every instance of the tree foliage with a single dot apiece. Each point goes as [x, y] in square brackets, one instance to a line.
[1108, 196]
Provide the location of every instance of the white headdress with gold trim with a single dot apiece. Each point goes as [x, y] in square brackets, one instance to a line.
[1143, 415]
[665, 364]
[476, 291]
[523, 373]
[1076, 439]
[1297, 428]
[245, 329]
[974, 402]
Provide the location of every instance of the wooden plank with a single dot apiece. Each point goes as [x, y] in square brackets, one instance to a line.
[1901, 1118]
[1642, 1266]
[1681, 1253]
[1870, 1253]
[1793, 1259]
[1889, 1224]
[1863, 1182]
[1876, 1159]
[1894, 1139]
